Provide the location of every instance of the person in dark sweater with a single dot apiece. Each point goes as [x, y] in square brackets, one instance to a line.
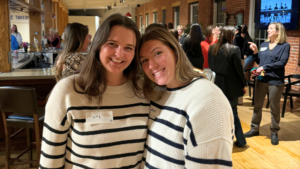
[225, 60]
[181, 34]
[247, 53]
[191, 46]
[272, 58]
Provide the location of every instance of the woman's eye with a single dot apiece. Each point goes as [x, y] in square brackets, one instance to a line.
[157, 53]
[129, 48]
[111, 44]
[144, 61]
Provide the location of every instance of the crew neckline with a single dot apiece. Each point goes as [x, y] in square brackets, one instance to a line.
[116, 89]
[182, 87]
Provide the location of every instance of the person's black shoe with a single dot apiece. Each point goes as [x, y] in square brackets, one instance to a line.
[240, 145]
[274, 139]
[251, 133]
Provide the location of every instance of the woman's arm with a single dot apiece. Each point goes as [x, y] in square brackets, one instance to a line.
[236, 55]
[253, 47]
[210, 132]
[282, 61]
[56, 128]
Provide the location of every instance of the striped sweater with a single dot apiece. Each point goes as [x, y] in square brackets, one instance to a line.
[190, 127]
[71, 141]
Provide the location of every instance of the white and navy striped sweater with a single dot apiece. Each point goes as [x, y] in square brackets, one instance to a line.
[70, 142]
[190, 127]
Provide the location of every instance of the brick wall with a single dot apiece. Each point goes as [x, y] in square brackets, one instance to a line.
[205, 11]
[205, 15]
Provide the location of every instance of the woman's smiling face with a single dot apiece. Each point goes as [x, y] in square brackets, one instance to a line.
[118, 51]
[158, 62]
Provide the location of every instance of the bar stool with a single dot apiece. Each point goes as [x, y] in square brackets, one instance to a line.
[18, 106]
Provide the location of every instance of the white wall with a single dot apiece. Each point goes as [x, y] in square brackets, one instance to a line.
[122, 11]
[90, 21]
[22, 21]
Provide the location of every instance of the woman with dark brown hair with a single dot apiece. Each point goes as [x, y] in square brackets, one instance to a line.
[225, 59]
[77, 39]
[98, 118]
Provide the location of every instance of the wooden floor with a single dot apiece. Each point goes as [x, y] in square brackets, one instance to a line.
[259, 153]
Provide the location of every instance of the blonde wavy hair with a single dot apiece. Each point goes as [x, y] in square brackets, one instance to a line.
[184, 71]
[281, 38]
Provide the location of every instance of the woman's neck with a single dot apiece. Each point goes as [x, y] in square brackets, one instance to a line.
[272, 40]
[116, 80]
[211, 38]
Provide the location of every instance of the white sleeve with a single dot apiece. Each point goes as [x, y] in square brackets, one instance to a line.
[56, 129]
[209, 131]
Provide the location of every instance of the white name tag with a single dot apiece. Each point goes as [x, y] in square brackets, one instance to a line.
[263, 49]
[102, 116]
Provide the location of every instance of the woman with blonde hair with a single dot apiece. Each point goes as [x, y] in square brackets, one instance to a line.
[191, 123]
[98, 117]
[76, 41]
[272, 58]
[53, 39]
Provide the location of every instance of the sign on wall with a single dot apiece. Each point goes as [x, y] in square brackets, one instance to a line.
[19, 17]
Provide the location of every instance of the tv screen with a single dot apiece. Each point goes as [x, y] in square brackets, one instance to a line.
[284, 11]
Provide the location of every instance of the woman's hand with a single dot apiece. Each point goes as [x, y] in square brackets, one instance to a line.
[245, 56]
[253, 47]
[259, 70]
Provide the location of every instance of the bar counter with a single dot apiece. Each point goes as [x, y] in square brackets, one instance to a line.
[27, 74]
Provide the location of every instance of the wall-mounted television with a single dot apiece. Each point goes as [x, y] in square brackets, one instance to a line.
[284, 11]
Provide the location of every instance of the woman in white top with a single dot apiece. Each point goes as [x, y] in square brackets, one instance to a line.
[98, 118]
[190, 122]
[14, 31]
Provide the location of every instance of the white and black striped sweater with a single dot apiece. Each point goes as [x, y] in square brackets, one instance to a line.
[70, 142]
[190, 127]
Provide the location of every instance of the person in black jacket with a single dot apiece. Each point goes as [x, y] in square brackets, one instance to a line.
[247, 53]
[191, 46]
[272, 58]
[225, 60]
[239, 40]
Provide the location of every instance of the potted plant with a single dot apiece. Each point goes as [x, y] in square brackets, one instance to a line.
[25, 46]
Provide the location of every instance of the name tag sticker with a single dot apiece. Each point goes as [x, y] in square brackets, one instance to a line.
[263, 49]
[102, 116]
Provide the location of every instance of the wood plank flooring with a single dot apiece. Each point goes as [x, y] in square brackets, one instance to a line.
[260, 153]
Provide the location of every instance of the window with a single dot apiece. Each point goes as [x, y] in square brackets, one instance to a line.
[141, 21]
[154, 17]
[194, 13]
[221, 15]
[147, 20]
[260, 36]
[176, 16]
[164, 16]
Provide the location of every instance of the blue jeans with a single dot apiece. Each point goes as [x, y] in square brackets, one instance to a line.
[248, 61]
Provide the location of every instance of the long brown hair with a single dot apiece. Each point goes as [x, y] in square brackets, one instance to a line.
[92, 77]
[226, 37]
[183, 69]
[75, 35]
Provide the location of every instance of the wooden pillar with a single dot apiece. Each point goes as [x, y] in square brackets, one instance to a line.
[48, 15]
[59, 20]
[55, 12]
[35, 26]
[4, 36]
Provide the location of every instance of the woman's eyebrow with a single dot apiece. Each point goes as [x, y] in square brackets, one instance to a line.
[117, 42]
